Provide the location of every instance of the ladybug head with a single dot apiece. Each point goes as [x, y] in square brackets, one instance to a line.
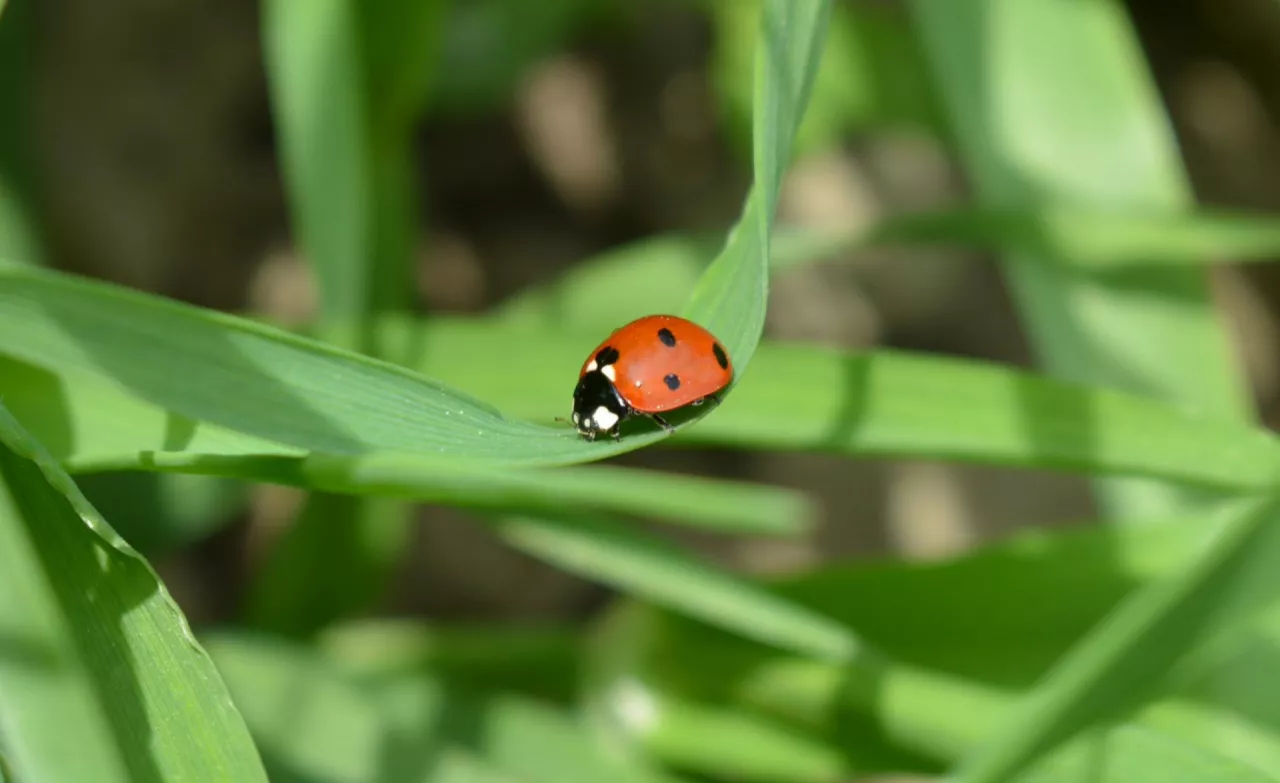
[597, 406]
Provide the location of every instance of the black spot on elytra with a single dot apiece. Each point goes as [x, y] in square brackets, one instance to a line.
[721, 357]
[607, 355]
[668, 339]
[672, 381]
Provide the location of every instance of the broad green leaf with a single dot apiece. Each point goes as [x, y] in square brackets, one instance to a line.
[100, 678]
[1120, 663]
[318, 724]
[731, 297]
[642, 565]
[1052, 105]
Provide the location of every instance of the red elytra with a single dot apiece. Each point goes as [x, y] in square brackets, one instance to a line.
[652, 365]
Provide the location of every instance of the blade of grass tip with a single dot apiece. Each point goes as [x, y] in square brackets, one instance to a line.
[645, 566]
[1122, 662]
[102, 679]
[1051, 104]
[731, 298]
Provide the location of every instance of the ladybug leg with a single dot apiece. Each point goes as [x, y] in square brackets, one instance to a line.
[662, 422]
[714, 398]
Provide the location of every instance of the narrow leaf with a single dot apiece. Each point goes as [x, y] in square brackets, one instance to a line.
[100, 678]
[731, 298]
[647, 567]
[1121, 663]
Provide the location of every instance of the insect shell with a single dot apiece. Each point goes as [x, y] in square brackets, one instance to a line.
[650, 366]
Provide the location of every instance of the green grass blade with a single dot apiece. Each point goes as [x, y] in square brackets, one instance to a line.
[999, 618]
[1120, 664]
[207, 368]
[101, 678]
[318, 99]
[888, 404]
[877, 404]
[348, 160]
[642, 565]
[731, 298]
[726, 506]
[1052, 104]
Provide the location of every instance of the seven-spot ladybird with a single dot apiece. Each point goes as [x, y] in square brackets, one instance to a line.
[653, 365]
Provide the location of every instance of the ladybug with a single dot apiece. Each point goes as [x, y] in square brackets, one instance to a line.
[652, 365]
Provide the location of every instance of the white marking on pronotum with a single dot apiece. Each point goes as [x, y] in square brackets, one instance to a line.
[592, 366]
[604, 418]
[608, 372]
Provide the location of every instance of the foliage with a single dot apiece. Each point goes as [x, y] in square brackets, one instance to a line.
[1139, 648]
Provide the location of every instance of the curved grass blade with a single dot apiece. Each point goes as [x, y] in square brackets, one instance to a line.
[101, 678]
[731, 297]
[205, 368]
[886, 404]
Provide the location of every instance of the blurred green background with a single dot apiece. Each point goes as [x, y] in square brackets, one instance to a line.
[994, 498]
